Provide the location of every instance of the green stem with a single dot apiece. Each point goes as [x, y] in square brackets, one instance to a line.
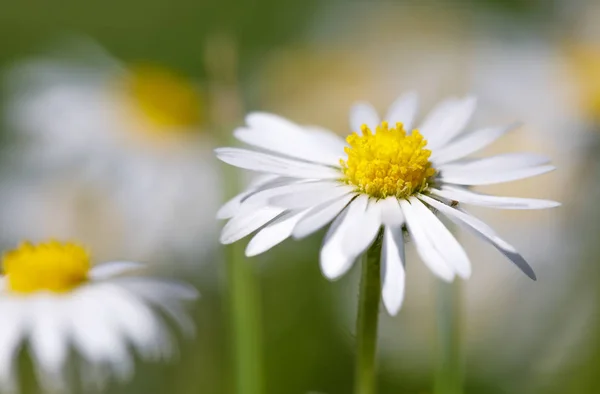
[366, 325]
[245, 322]
[449, 367]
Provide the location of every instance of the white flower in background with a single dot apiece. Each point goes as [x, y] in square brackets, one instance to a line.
[383, 176]
[52, 298]
[86, 123]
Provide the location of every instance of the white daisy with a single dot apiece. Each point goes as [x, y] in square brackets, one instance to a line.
[53, 299]
[133, 136]
[382, 176]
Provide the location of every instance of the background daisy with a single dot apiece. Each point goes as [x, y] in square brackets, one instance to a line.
[53, 299]
[119, 150]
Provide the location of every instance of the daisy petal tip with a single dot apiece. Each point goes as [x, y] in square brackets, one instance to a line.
[392, 306]
[253, 250]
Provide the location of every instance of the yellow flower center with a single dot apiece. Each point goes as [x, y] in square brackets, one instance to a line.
[50, 266]
[585, 62]
[164, 99]
[388, 162]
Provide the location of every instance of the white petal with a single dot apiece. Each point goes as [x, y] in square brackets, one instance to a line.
[274, 233]
[94, 335]
[350, 237]
[311, 198]
[167, 296]
[317, 217]
[49, 339]
[469, 197]
[329, 138]
[403, 110]
[137, 323]
[363, 113]
[114, 268]
[273, 195]
[504, 162]
[245, 223]
[428, 253]
[446, 121]
[231, 207]
[471, 143]
[14, 325]
[263, 162]
[469, 177]
[443, 240]
[292, 141]
[392, 265]
[391, 213]
[484, 231]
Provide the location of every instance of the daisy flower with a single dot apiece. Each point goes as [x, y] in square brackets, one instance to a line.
[52, 298]
[383, 175]
[85, 123]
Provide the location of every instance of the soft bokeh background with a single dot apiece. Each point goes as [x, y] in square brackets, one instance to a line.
[131, 198]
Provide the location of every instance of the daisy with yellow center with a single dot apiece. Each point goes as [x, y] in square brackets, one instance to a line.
[52, 298]
[385, 178]
[88, 123]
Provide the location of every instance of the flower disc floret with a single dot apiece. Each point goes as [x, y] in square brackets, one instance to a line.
[51, 266]
[389, 162]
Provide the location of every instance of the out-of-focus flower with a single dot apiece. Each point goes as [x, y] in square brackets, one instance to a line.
[383, 176]
[52, 298]
[585, 63]
[126, 141]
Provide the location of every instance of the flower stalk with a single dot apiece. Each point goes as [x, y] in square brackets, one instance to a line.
[448, 378]
[367, 320]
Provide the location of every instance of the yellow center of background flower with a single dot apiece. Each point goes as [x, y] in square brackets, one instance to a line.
[388, 162]
[585, 61]
[50, 266]
[165, 99]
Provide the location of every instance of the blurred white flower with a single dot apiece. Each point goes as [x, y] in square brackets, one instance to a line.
[52, 298]
[383, 176]
[132, 138]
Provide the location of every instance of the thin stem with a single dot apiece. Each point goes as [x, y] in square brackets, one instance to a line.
[366, 325]
[245, 322]
[450, 364]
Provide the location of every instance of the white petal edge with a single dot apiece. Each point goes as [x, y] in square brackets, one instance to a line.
[293, 142]
[425, 248]
[349, 237]
[469, 144]
[94, 336]
[114, 268]
[403, 110]
[308, 199]
[168, 296]
[503, 162]
[314, 190]
[391, 213]
[318, 217]
[274, 233]
[231, 207]
[363, 113]
[469, 197]
[15, 324]
[482, 230]
[469, 177]
[263, 162]
[447, 120]
[49, 339]
[392, 265]
[244, 224]
[442, 239]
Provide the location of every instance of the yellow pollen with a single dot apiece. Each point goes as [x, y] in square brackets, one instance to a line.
[388, 162]
[51, 266]
[163, 98]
